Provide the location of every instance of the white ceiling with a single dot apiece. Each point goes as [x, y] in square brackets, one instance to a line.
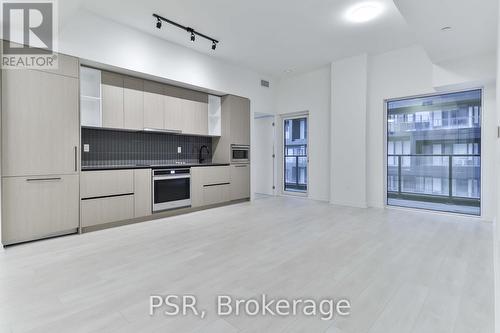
[272, 36]
[269, 36]
[473, 23]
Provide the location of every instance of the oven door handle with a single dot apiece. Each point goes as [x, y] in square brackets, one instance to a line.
[170, 177]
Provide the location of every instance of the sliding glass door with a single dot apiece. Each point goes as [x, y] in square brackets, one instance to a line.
[295, 155]
[434, 152]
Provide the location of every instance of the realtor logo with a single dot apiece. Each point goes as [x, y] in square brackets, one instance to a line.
[29, 34]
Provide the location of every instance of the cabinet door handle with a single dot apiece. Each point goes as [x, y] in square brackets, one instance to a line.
[241, 166]
[76, 158]
[43, 179]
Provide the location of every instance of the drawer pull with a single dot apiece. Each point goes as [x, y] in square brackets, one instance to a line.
[219, 184]
[76, 159]
[241, 166]
[43, 179]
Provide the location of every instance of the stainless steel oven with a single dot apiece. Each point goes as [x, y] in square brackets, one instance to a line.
[240, 154]
[171, 189]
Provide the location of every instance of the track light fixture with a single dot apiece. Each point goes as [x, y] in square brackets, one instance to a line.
[193, 32]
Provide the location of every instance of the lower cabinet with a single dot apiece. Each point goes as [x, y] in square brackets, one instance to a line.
[240, 181]
[215, 194]
[142, 192]
[105, 210]
[210, 185]
[39, 207]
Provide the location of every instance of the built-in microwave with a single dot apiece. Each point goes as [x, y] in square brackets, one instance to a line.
[240, 154]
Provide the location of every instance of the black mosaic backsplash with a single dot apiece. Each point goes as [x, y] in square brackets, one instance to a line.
[116, 148]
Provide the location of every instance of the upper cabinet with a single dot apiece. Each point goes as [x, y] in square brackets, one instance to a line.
[239, 120]
[111, 100]
[133, 103]
[154, 104]
[90, 97]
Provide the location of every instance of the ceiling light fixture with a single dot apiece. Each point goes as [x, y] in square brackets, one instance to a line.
[364, 12]
[193, 32]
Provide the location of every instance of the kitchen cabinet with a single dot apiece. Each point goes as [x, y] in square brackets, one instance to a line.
[173, 117]
[112, 100]
[106, 210]
[239, 120]
[142, 192]
[216, 194]
[106, 183]
[90, 97]
[38, 207]
[133, 103]
[154, 105]
[240, 181]
[195, 117]
[210, 185]
[40, 123]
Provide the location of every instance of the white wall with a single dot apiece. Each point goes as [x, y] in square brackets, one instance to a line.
[309, 92]
[348, 124]
[399, 73]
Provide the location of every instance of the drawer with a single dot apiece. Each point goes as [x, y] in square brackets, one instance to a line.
[215, 194]
[38, 207]
[106, 183]
[211, 175]
[106, 210]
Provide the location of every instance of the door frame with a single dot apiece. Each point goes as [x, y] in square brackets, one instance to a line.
[283, 117]
[259, 115]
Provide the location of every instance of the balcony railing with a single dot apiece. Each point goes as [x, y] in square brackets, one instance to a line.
[296, 172]
[395, 126]
[451, 179]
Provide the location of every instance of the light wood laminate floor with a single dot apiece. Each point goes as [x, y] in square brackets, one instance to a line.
[402, 271]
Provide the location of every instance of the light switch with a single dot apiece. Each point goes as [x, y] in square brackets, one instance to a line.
[86, 148]
[179, 150]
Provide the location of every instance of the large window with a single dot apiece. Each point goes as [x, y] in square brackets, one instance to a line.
[295, 154]
[434, 152]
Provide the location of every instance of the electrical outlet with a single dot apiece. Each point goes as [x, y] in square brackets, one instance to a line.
[86, 148]
[179, 150]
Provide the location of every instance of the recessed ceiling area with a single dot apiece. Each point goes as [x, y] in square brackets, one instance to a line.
[470, 27]
[267, 36]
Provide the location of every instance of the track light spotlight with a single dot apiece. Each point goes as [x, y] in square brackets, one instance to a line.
[189, 30]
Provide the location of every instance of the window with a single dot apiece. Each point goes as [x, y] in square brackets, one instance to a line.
[295, 155]
[434, 152]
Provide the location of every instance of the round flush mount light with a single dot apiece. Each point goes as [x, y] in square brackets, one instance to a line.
[364, 12]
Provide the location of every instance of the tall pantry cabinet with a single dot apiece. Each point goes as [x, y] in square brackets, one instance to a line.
[40, 152]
